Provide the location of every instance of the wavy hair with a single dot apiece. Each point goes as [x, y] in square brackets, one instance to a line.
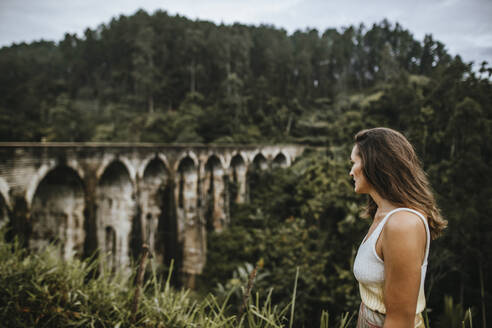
[391, 166]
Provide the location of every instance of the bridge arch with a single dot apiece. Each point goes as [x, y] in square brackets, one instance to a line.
[216, 157]
[41, 173]
[187, 163]
[186, 156]
[238, 158]
[107, 161]
[57, 211]
[116, 215]
[253, 174]
[155, 166]
[238, 169]
[187, 181]
[280, 160]
[91, 162]
[259, 161]
[144, 164]
[214, 161]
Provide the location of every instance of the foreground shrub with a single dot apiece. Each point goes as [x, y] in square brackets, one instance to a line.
[42, 290]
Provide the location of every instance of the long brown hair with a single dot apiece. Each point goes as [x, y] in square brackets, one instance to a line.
[391, 166]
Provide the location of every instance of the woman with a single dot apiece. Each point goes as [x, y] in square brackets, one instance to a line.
[392, 260]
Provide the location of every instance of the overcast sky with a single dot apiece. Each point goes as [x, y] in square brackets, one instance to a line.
[464, 26]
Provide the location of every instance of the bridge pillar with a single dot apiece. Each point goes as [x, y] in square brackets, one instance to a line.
[214, 190]
[238, 176]
[242, 184]
[4, 212]
[193, 232]
[169, 214]
[152, 196]
[20, 218]
[57, 212]
[116, 212]
[90, 223]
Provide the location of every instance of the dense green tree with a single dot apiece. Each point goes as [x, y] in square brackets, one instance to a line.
[162, 78]
[144, 72]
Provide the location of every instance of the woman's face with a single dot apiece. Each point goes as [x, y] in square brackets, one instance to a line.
[360, 181]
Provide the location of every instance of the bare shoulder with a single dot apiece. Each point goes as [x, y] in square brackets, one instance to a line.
[404, 237]
[404, 222]
[404, 227]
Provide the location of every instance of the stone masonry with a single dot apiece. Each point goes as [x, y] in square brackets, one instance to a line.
[113, 197]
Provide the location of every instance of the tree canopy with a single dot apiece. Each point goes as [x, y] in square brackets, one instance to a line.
[162, 78]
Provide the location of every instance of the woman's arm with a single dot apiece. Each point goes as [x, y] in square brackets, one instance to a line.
[402, 243]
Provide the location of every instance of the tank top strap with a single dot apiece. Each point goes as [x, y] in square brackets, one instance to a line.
[420, 215]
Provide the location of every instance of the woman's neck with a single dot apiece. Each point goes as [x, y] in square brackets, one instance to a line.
[384, 205]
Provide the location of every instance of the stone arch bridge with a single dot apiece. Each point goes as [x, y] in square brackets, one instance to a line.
[113, 196]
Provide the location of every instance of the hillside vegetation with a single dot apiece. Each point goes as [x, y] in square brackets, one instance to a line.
[161, 78]
[42, 290]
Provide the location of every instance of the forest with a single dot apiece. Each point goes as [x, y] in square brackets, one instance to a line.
[169, 79]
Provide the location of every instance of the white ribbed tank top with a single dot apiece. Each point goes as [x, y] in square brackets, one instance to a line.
[369, 268]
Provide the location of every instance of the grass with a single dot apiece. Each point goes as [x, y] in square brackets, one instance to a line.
[42, 290]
